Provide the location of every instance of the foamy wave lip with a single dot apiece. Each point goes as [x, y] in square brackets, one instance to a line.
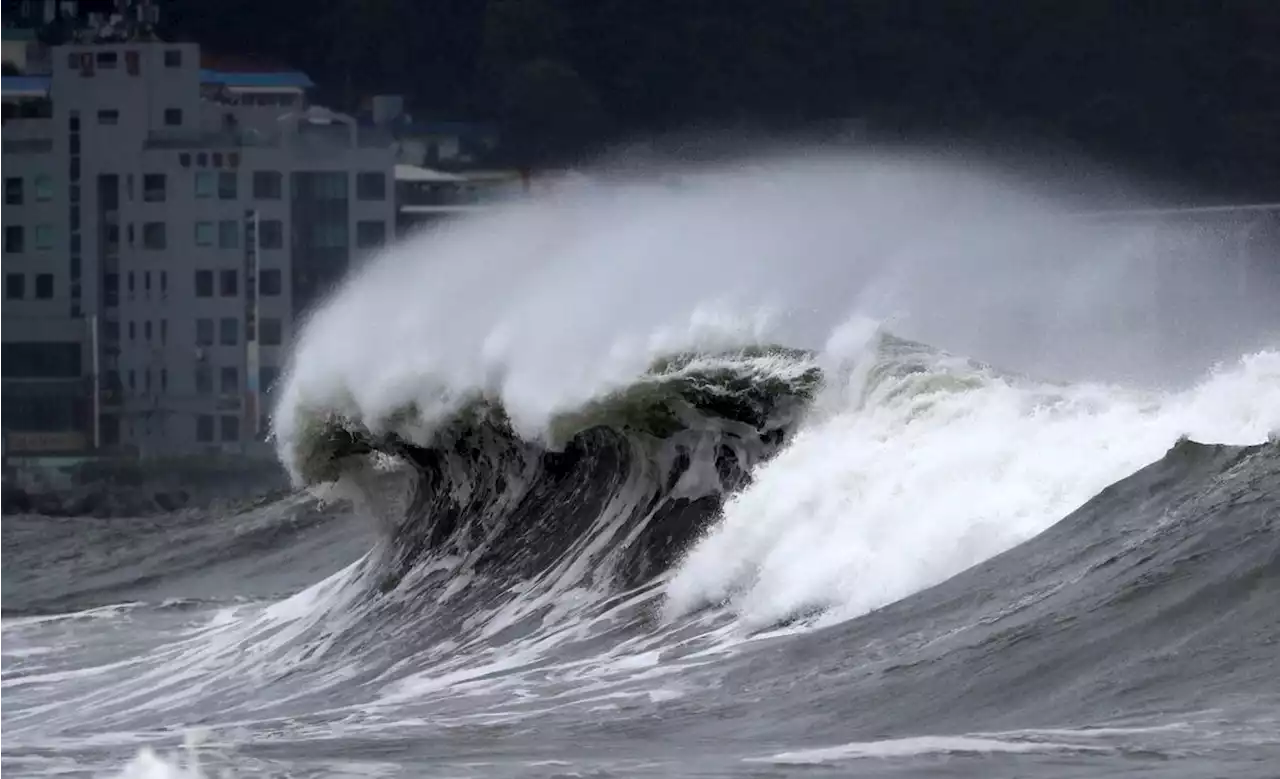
[414, 403]
[184, 764]
[916, 746]
[765, 386]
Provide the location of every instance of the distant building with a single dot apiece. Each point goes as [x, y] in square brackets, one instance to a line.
[425, 196]
[164, 227]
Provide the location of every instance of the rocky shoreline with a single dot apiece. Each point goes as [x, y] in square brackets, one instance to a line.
[139, 488]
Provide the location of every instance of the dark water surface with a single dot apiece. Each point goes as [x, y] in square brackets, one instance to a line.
[1137, 637]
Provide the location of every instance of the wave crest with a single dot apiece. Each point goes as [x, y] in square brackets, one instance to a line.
[763, 388]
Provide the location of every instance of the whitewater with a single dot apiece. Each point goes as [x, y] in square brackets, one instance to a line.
[884, 463]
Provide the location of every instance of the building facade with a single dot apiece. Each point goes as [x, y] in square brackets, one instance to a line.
[166, 226]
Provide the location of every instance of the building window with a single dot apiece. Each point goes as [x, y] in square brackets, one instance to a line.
[146, 330]
[370, 234]
[269, 283]
[133, 380]
[229, 283]
[229, 379]
[164, 331]
[108, 116]
[164, 379]
[44, 286]
[173, 58]
[133, 62]
[111, 289]
[128, 282]
[217, 159]
[107, 59]
[15, 286]
[267, 185]
[312, 186]
[204, 380]
[146, 282]
[133, 330]
[271, 234]
[154, 235]
[164, 283]
[173, 117]
[228, 331]
[153, 187]
[184, 159]
[227, 185]
[204, 283]
[230, 428]
[204, 184]
[270, 331]
[204, 233]
[371, 186]
[44, 187]
[13, 239]
[204, 422]
[13, 191]
[267, 377]
[44, 237]
[228, 234]
[329, 235]
[204, 332]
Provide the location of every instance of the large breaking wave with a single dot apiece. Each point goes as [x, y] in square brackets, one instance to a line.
[617, 440]
[584, 385]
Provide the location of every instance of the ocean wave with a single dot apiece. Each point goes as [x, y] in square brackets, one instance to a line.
[762, 388]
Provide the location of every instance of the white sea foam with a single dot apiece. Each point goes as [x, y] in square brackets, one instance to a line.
[917, 477]
[913, 747]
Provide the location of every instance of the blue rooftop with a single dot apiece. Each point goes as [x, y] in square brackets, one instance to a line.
[285, 78]
[20, 86]
[26, 85]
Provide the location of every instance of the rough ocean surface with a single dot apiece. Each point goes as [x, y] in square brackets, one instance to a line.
[664, 545]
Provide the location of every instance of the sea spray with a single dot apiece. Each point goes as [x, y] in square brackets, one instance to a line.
[546, 305]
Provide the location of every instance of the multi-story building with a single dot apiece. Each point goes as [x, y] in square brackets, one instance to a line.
[165, 227]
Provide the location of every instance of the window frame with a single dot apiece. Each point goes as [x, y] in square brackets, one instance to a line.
[149, 231]
[209, 231]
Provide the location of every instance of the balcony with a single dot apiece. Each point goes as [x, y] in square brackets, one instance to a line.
[226, 138]
[28, 146]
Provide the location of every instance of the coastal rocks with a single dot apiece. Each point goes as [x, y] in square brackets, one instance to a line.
[96, 500]
[137, 488]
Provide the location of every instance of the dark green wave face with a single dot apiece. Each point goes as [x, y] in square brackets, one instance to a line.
[760, 388]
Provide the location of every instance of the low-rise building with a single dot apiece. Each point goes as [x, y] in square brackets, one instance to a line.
[165, 226]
